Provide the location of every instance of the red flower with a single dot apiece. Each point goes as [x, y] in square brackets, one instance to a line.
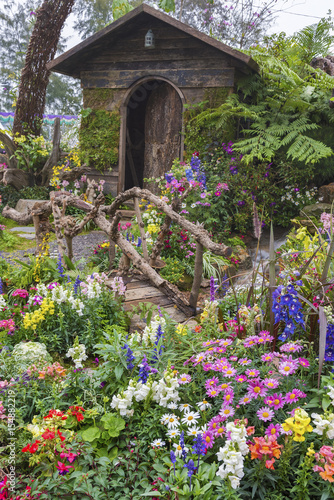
[48, 434]
[63, 469]
[62, 438]
[32, 448]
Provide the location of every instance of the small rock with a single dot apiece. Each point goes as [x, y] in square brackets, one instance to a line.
[327, 193]
[315, 210]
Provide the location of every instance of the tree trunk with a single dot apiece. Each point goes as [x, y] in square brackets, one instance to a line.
[198, 271]
[30, 105]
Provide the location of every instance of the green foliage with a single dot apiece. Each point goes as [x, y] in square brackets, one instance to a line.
[315, 40]
[173, 270]
[99, 139]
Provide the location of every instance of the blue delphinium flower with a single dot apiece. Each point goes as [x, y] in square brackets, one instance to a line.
[329, 351]
[173, 459]
[288, 308]
[160, 335]
[139, 242]
[144, 370]
[60, 267]
[191, 469]
[212, 289]
[129, 357]
[1, 286]
[199, 447]
[76, 285]
[183, 452]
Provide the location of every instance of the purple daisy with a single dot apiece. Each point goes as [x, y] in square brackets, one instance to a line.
[251, 341]
[228, 397]
[211, 382]
[252, 373]
[229, 372]
[226, 412]
[288, 366]
[245, 400]
[208, 439]
[304, 362]
[244, 361]
[241, 378]
[267, 357]
[271, 383]
[184, 379]
[291, 347]
[256, 388]
[275, 401]
[294, 396]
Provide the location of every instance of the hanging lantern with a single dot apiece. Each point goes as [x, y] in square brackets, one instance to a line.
[149, 40]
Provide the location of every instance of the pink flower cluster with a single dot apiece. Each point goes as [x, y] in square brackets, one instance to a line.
[54, 371]
[8, 324]
[19, 292]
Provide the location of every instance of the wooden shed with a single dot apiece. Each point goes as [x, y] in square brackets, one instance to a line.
[144, 83]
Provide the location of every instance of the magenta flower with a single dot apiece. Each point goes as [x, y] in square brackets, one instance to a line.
[291, 347]
[229, 372]
[304, 362]
[275, 401]
[226, 412]
[63, 469]
[213, 392]
[225, 342]
[225, 386]
[265, 336]
[211, 382]
[256, 388]
[208, 439]
[207, 367]
[216, 426]
[252, 373]
[233, 358]
[244, 361]
[251, 341]
[265, 414]
[19, 292]
[267, 357]
[288, 366]
[241, 378]
[273, 430]
[228, 397]
[245, 400]
[294, 396]
[271, 383]
[184, 379]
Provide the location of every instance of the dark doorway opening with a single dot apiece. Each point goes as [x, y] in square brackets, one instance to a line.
[153, 132]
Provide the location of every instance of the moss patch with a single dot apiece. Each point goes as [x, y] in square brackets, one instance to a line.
[97, 98]
[99, 139]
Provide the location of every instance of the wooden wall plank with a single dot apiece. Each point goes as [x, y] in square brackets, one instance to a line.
[136, 64]
[223, 77]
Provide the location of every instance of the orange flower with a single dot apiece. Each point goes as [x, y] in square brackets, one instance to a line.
[265, 447]
[327, 474]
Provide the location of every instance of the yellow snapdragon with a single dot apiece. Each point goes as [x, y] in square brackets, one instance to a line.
[32, 320]
[298, 424]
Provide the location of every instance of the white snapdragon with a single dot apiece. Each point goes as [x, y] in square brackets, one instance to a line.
[166, 390]
[2, 302]
[324, 424]
[232, 454]
[77, 353]
[150, 332]
[42, 290]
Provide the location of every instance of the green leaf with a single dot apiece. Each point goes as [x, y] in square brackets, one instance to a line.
[90, 434]
[159, 468]
[113, 453]
[167, 5]
[120, 8]
[113, 424]
[119, 372]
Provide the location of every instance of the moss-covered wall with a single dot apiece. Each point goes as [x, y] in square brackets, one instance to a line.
[199, 134]
[100, 130]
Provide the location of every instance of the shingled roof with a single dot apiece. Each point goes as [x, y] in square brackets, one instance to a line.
[73, 61]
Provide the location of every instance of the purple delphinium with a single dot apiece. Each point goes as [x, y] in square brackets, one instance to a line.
[199, 447]
[183, 453]
[156, 353]
[144, 370]
[212, 289]
[76, 285]
[60, 267]
[173, 459]
[191, 469]
[1, 286]
[129, 357]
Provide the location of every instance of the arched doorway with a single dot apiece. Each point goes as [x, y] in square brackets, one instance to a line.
[151, 131]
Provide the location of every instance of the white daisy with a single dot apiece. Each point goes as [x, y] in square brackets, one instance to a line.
[172, 422]
[178, 449]
[185, 407]
[164, 419]
[158, 443]
[193, 431]
[190, 417]
[172, 406]
[173, 433]
[204, 405]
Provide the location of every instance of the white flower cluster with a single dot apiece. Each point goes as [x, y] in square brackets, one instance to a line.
[294, 196]
[324, 424]
[77, 353]
[161, 392]
[60, 294]
[2, 301]
[149, 335]
[329, 314]
[28, 353]
[233, 454]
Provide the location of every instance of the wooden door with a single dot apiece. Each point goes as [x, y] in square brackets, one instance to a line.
[163, 124]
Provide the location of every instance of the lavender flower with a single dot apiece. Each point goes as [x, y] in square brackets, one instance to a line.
[173, 459]
[212, 289]
[159, 336]
[1, 286]
[199, 447]
[144, 370]
[191, 469]
[184, 453]
[139, 242]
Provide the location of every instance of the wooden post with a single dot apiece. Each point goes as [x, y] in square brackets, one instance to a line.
[141, 228]
[112, 252]
[197, 276]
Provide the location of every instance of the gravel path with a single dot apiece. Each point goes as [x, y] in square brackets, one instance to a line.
[82, 247]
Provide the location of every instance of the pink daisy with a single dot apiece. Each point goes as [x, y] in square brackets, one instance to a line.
[264, 337]
[208, 439]
[207, 367]
[252, 373]
[184, 379]
[199, 358]
[226, 412]
[267, 357]
[291, 347]
[288, 366]
[271, 383]
[256, 389]
[224, 386]
[213, 392]
[294, 396]
[251, 341]
[229, 372]
[225, 342]
[275, 401]
[244, 361]
[245, 400]
[241, 378]
[304, 362]
[233, 358]
[273, 430]
[265, 414]
[220, 350]
[211, 382]
[228, 397]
